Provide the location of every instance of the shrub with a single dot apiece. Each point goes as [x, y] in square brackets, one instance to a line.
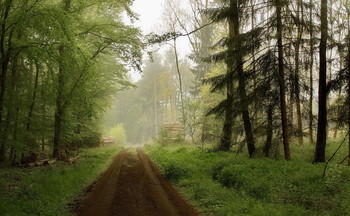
[175, 170]
[118, 132]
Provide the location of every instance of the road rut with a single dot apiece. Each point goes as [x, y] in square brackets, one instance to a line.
[133, 186]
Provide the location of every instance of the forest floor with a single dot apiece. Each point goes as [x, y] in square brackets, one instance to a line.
[132, 185]
[229, 183]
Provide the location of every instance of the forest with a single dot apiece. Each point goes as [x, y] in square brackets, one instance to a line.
[60, 63]
[260, 75]
[252, 110]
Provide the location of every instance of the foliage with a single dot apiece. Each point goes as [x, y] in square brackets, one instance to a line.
[192, 119]
[118, 132]
[62, 61]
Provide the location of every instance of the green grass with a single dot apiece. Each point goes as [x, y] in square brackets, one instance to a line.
[225, 183]
[47, 190]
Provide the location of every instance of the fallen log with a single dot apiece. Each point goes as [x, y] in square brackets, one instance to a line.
[44, 162]
[73, 159]
[39, 163]
[49, 162]
[28, 165]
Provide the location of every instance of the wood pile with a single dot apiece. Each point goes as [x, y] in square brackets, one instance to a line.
[107, 141]
[173, 130]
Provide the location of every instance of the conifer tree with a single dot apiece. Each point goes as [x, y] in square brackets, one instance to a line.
[320, 150]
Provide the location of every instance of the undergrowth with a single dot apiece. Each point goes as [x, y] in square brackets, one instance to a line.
[225, 183]
[46, 191]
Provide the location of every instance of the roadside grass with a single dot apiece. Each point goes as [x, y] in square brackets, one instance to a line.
[225, 183]
[46, 191]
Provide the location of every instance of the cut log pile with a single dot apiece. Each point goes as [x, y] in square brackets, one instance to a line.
[174, 130]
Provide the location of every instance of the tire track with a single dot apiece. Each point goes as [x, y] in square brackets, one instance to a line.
[133, 186]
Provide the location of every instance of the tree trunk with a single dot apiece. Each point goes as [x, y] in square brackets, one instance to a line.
[155, 109]
[253, 52]
[225, 142]
[297, 77]
[322, 93]
[311, 116]
[330, 59]
[285, 134]
[4, 60]
[31, 108]
[241, 85]
[348, 101]
[30, 140]
[348, 66]
[226, 138]
[269, 131]
[57, 130]
[291, 104]
[4, 67]
[60, 108]
[15, 130]
[4, 70]
[180, 84]
[10, 105]
[5, 56]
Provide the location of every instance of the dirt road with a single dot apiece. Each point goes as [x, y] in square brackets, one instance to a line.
[133, 186]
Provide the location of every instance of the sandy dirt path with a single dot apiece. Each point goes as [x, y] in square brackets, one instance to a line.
[133, 186]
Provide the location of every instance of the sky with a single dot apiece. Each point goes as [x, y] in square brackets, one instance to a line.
[150, 15]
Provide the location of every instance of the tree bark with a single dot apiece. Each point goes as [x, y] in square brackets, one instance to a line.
[155, 108]
[180, 85]
[348, 66]
[297, 77]
[320, 149]
[242, 84]
[11, 105]
[253, 53]
[225, 142]
[349, 96]
[291, 104]
[60, 108]
[30, 140]
[4, 61]
[269, 131]
[311, 116]
[4, 126]
[285, 133]
[32, 104]
[330, 59]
